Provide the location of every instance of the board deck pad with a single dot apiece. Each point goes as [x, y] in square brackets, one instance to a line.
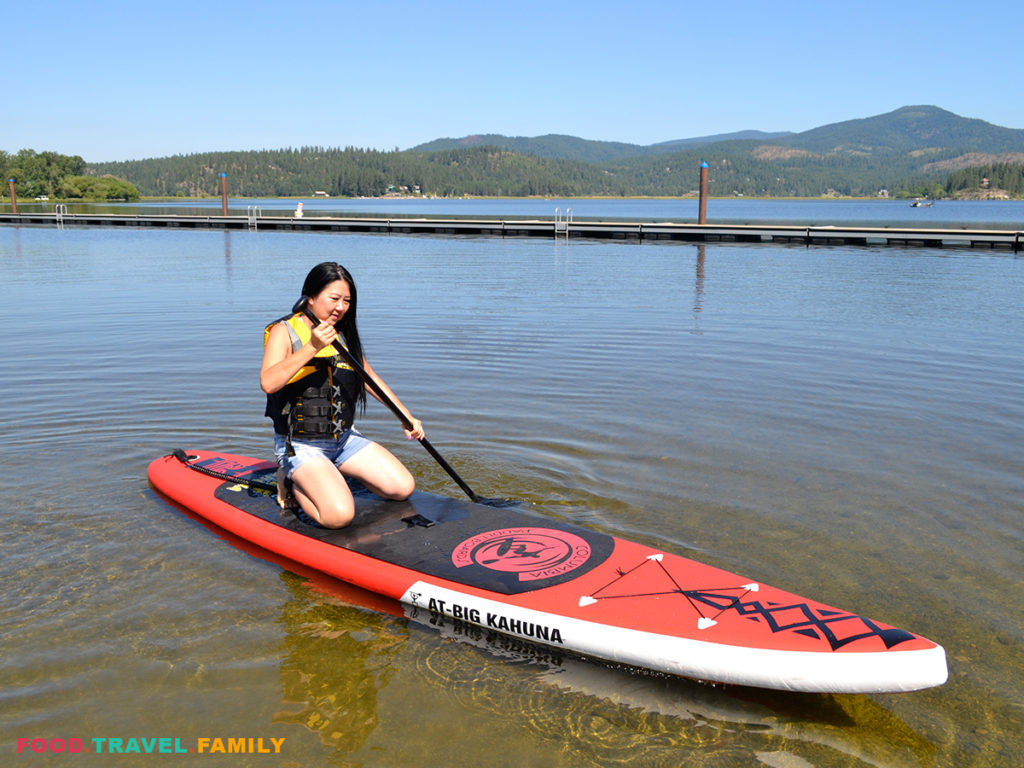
[548, 581]
[501, 550]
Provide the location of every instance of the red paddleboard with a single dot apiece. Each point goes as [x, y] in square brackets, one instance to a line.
[563, 586]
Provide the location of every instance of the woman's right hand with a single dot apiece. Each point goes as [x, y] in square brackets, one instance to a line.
[322, 335]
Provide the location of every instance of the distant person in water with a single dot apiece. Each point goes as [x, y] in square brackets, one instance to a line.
[298, 211]
[312, 398]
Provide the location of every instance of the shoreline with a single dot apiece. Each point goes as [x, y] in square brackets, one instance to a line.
[418, 198]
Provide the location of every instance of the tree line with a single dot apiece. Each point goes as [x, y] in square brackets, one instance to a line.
[351, 172]
[53, 175]
[736, 168]
[1005, 177]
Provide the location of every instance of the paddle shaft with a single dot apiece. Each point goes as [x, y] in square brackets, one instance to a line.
[357, 366]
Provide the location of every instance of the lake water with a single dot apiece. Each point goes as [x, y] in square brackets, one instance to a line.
[845, 423]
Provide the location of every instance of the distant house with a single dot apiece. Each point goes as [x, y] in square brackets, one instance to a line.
[883, 193]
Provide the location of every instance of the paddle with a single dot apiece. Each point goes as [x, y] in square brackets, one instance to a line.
[302, 306]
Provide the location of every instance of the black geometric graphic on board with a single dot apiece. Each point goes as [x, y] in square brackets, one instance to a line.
[837, 627]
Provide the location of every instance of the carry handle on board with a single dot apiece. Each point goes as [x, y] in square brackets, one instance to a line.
[302, 306]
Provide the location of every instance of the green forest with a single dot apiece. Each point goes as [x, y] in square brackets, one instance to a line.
[736, 168]
[1007, 177]
[56, 176]
[911, 152]
[354, 172]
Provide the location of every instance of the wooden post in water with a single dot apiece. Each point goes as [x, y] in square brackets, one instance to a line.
[702, 215]
[14, 198]
[224, 193]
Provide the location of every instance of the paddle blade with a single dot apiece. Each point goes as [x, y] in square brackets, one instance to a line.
[497, 502]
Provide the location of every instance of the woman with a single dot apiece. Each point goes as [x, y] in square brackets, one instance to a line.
[312, 396]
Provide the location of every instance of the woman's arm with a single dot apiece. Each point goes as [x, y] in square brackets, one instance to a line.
[280, 363]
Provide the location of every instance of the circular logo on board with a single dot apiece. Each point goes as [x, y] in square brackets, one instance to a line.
[532, 553]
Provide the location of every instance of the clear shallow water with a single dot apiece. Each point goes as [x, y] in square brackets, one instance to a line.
[844, 423]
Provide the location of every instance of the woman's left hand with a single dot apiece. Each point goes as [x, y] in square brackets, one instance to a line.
[417, 432]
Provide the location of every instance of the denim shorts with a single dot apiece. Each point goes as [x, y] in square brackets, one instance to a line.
[335, 451]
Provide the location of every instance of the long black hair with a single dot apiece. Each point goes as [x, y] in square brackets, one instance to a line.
[320, 277]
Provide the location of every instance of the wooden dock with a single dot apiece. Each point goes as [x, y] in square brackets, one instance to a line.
[1011, 240]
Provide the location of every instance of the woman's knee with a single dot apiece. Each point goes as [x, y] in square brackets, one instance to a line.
[324, 496]
[403, 487]
[335, 514]
[397, 483]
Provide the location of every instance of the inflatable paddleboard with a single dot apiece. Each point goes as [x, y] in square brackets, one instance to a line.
[555, 584]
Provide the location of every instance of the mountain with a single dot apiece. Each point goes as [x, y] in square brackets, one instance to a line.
[672, 146]
[560, 147]
[905, 130]
[908, 129]
[552, 146]
[915, 151]
[911, 150]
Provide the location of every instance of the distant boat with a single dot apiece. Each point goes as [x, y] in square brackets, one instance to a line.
[922, 204]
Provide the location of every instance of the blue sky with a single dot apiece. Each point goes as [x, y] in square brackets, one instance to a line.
[129, 80]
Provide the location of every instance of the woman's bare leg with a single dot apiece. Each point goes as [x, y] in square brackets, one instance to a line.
[378, 469]
[323, 493]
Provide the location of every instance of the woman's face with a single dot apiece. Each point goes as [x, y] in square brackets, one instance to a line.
[332, 302]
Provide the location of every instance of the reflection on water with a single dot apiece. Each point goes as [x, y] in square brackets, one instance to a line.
[343, 666]
[698, 293]
[227, 253]
[333, 663]
[844, 423]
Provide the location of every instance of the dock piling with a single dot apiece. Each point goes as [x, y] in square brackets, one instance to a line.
[702, 215]
[14, 198]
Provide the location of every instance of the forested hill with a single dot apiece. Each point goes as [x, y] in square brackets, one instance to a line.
[555, 146]
[911, 151]
[908, 130]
